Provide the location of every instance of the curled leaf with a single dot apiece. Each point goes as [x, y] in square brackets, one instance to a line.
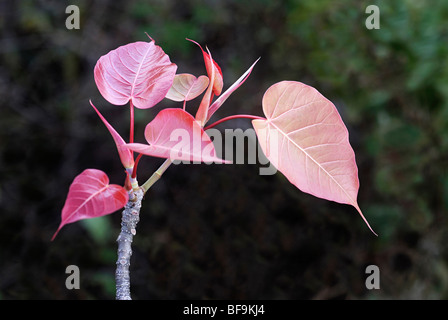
[201, 114]
[212, 67]
[186, 87]
[90, 196]
[139, 72]
[305, 138]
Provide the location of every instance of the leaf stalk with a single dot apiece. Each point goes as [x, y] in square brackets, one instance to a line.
[156, 175]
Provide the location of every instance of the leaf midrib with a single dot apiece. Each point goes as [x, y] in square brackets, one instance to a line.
[93, 195]
[138, 71]
[310, 157]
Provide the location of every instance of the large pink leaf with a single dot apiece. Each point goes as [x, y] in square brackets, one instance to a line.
[90, 196]
[174, 134]
[139, 71]
[186, 87]
[125, 155]
[305, 138]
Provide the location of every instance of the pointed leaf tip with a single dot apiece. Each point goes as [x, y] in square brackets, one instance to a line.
[125, 154]
[364, 218]
[218, 103]
[149, 37]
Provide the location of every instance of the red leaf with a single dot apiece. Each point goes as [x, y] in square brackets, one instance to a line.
[139, 71]
[305, 138]
[201, 114]
[174, 134]
[209, 62]
[90, 196]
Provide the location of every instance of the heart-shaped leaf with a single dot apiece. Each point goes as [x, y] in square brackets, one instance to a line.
[174, 134]
[125, 154]
[90, 196]
[186, 87]
[305, 138]
[139, 71]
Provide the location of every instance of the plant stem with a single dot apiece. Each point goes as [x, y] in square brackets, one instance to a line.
[237, 116]
[129, 220]
[134, 170]
[131, 125]
[156, 175]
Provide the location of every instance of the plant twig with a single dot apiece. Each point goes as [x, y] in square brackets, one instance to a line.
[129, 220]
[156, 175]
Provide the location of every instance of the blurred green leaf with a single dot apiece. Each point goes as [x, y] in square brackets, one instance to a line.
[100, 229]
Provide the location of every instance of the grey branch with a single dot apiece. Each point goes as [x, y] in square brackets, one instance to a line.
[129, 220]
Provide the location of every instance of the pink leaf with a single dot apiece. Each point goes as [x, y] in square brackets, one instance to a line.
[201, 114]
[125, 155]
[174, 134]
[209, 62]
[305, 138]
[90, 196]
[186, 87]
[140, 72]
[217, 104]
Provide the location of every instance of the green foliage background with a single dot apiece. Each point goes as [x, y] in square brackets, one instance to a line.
[225, 232]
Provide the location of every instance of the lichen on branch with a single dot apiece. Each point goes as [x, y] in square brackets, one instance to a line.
[129, 220]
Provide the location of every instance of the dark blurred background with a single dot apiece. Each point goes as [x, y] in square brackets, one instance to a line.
[225, 232]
